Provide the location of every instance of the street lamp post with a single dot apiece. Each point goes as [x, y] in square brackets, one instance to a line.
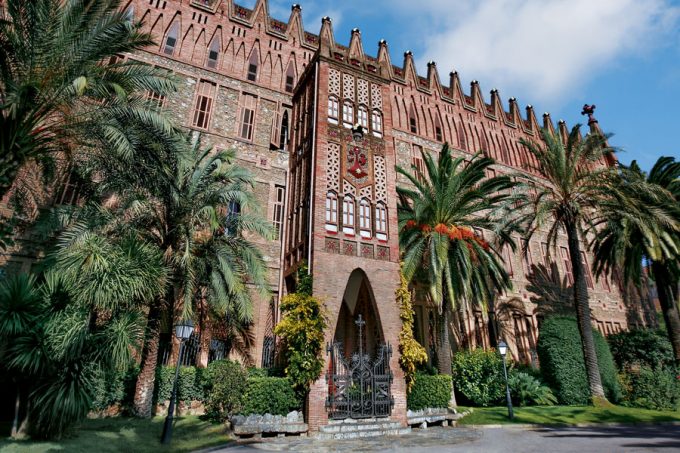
[183, 331]
[503, 349]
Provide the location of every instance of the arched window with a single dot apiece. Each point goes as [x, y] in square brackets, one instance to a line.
[253, 64]
[171, 39]
[347, 114]
[348, 215]
[365, 218]
[363, 116]
[438, 133]
[130, 14]
[461, 138]
[332, 212]
[412, 120]
[377, 123]
[381, 221]
[290, 78]
[333, 110]
[213, 53]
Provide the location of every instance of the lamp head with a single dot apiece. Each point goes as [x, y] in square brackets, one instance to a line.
[184, 329]
[503, 348]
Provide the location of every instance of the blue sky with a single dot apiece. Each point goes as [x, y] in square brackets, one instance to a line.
[622, 55]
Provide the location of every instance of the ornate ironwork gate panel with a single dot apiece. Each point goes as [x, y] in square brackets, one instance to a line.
[358, 386]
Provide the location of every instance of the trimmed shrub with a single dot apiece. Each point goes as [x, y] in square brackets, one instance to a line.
[111, 388]
[189, 384]
[642, 347]
[649, 388]
[224, 383]
[479, 379]
[429, 392]
[561, 355]
[269, 395]
[258, 372]
[526, 390]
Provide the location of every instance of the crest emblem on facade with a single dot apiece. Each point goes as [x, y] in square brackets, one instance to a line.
[358, 160]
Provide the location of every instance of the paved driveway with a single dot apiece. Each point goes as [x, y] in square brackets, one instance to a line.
[659, 438]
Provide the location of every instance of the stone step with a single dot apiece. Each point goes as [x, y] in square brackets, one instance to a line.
[352, 427]
[363, 433]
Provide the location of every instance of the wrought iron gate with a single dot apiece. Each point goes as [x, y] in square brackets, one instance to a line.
[358, 386]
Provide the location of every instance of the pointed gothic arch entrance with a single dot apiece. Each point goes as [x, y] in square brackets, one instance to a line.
[359, 373]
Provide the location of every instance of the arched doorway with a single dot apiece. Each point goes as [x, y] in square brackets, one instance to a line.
[360, 376]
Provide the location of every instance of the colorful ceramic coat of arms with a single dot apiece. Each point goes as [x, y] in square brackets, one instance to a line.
[357, 164]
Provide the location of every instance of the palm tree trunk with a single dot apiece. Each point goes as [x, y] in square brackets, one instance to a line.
[143, 400]
[667, 290]
[582, 306]
[444, 347]
[17, 406]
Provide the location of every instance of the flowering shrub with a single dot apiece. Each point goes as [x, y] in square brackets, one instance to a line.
[412, 353]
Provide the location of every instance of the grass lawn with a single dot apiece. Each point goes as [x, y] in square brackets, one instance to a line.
[128, 435]
[554, 415]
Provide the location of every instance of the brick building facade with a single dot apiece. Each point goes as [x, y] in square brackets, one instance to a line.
[286, 100]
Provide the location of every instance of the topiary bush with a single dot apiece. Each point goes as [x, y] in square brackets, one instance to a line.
[561, 356]
[641, 347]
[526, 390]
[650, 388]
[479, 379]
[429, 391]
[269, 395]
[224, 383]
[189, 383]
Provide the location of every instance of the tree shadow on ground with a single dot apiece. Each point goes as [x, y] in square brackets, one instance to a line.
[642, 436]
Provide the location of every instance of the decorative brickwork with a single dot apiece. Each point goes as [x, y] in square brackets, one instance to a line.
[333, 167]
[349, 248]
[367, 251]
[362, 89]
[332, 245]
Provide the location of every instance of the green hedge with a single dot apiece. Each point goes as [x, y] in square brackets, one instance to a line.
[429, 392]
[189, 385]
[561, 356]
[479, 379]
[269, 395]
[224, 383]
[657, 389]
[641, 347]
[114, 387]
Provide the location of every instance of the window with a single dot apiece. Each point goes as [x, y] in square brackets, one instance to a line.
[204, 100]
[363, 116]
[418, 163]
[333, 110]
[213, 53]
[412, 121]
[332, 212]
[290, 78]
[156, 100]
[129, 14]
[528, 260]
[277, 220]
[586, 271]
[347, 114]
[381, 221]
[171, 39]
[439, 135]
[252, 66]
[247, 117]
[231, 220]
[283, 137]
[348, 215]
[567, 265]
[365, 218]
[461, 138]
[546, 255]
[507, 259]
[70, 192]
[377, 123]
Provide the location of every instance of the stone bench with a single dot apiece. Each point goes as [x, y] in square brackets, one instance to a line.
[432, 416]
[257, 426]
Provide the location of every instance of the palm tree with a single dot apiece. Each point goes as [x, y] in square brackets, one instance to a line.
[573, 187]
[440, 233]
[625, 242]
[198, 208]
[63, 84]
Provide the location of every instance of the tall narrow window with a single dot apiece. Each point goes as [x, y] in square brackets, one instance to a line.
[171, 39]
[213, 53]
[253, 64]
[247, 117]
[129, 14]
[347, 114]
[204, 101]
[528, 260]
[438, 133]
[332, 212]
[461, 138]
[567, 265]
[277, 220]
[507, 258]
[365, 218]
[283, 138]
[363, 116]
[377, 123]
[412, 120]
[290, 78]
[231, 220]
[348, 215]
[381, 221]
[417, 162]
[546, 255]
[586, 270]
[333, 110]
